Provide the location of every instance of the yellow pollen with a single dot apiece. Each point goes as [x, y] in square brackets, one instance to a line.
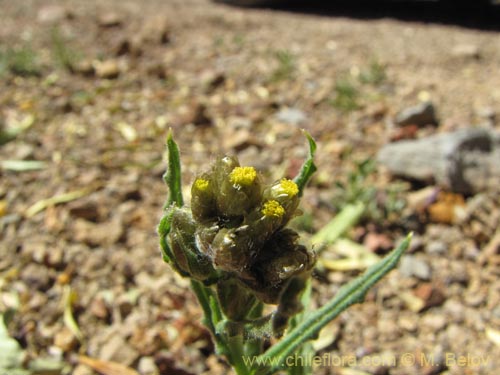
[289, 187]
[201, 184]
[273, 208]
[243, 176]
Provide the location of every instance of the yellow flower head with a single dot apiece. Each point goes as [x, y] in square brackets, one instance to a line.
[273, 209]
[201, 184]
[243, 176]
[289, 187]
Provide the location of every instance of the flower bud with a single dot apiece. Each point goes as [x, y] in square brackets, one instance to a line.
[233, 250]
[182, 241]
[204, 237]
[239, 188]
[203, 205]
[265, 220]
[286, 193]
[280, 259]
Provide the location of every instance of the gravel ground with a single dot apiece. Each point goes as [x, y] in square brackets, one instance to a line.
[92, 88]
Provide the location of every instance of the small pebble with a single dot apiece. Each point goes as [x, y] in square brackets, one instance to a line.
[437, 248]
[420, 115]
[147, 366]
[412, 266]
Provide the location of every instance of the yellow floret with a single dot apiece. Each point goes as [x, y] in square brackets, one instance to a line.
[201, 184]
[289, 187]
[243, 176]
[273, 208]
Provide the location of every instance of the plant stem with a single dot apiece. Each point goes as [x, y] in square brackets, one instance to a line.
[236, 354]
[233, 347]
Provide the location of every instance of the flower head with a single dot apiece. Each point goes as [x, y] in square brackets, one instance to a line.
[201, 184]
[243, 176]
[273, 209]
[288, 187]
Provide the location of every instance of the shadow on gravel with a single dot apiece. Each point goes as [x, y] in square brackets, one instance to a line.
[475, 14]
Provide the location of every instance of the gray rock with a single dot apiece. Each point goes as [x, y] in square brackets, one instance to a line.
[420, 115]
[464, 161]
[412, 266]
[291, 116]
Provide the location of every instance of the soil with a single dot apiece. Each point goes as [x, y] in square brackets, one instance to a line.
[93, 99]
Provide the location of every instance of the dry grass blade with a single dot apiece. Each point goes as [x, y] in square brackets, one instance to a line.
[57, 199]
[493, 335]
[106, 367]
[350, 371]
[22, 165]
[357, 257]
[69, 319]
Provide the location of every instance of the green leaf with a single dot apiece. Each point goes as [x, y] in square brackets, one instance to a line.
[172, 176]
[163, 231]
[11, 354]
[308, 168]
[305, 350]
[353, 292]
[346, 219]
[211, 313]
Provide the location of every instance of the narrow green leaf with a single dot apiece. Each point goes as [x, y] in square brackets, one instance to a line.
[163, 231]
[172, 176]
[305, 350]
[203, 295]
[308, 168]
[353, 292]
[211, 314]
[345, 220]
